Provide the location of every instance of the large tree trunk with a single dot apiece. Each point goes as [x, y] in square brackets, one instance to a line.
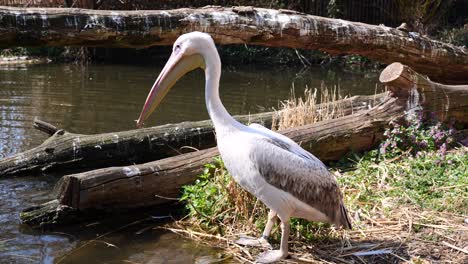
[153, 183]
[77, 152]
[236, 25]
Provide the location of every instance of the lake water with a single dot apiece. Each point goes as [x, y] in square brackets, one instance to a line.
[105, 98]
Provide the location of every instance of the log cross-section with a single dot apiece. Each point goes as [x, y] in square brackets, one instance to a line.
[235, 25]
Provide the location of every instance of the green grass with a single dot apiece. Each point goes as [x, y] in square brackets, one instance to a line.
[427, 180]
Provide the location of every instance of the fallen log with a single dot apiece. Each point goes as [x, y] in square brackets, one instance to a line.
[160, 181]
[447, 102]
[77, 152]
[235, 25]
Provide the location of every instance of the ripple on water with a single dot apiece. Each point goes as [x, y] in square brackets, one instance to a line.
[19, 244]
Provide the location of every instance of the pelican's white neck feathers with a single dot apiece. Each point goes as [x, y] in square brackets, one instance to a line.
[222, 120]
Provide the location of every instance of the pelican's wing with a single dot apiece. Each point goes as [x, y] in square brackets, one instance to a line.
[307, 180]
[290, 144]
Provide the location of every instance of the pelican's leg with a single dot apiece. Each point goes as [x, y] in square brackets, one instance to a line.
[269, 225]
[275, 255]
[263, 240]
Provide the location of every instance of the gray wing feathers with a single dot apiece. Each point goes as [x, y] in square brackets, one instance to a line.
[304, 178]
[291, 145]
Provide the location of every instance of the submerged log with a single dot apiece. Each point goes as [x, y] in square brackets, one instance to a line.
[77, 152]
[157, 182]
[236, 25]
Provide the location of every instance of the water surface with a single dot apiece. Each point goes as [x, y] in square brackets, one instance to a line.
[105, 98]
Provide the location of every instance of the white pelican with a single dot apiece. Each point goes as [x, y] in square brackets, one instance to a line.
[288, 179]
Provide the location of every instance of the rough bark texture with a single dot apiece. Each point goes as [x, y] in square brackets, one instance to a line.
[236, 25]
[67, 151]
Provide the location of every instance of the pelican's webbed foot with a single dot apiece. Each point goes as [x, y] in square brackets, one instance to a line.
[253, 242]
[271, 256]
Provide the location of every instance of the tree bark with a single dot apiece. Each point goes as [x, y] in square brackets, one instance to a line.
[77, 152]
[157, 182]
[236, 25]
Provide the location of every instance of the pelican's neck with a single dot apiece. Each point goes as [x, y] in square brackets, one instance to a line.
[222, 120]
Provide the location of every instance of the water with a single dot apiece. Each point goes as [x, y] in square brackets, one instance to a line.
[105, 98]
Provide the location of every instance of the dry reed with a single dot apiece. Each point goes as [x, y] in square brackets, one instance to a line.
[316, 106]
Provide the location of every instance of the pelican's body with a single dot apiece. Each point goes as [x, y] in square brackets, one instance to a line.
[288, 179]
[264, 163]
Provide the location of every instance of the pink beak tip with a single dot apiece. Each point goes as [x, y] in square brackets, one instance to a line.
[139, 124]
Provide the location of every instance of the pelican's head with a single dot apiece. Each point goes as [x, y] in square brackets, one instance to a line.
[188, 54]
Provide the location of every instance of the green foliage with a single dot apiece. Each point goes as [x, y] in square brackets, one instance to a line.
[18, 51]
[413, 166]
[335, 9]
[64, 54]
[215, 202]
[206, 197]
[425, 181]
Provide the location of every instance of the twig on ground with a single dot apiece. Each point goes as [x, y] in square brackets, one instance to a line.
[455, 247]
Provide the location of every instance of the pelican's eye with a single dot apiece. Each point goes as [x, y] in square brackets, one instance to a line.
[177, 47]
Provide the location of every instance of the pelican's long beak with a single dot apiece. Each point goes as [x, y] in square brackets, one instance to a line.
[177, 66]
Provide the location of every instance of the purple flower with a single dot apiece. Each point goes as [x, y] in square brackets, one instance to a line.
[422, 144]
[439, 135]
[443, 149]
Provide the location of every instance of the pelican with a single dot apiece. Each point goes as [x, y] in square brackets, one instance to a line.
[290, 181]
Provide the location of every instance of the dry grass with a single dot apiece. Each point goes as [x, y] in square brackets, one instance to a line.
[316, 106]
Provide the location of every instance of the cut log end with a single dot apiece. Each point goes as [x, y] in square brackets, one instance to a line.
[391, 72]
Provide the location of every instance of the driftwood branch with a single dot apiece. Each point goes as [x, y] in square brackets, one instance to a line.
[146, 184]
[77, 152]
[44, 126]
[236, 25]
